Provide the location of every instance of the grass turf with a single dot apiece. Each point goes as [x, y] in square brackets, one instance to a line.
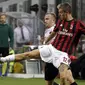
[29, 81]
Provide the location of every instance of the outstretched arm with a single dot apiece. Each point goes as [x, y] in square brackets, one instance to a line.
[50, 37]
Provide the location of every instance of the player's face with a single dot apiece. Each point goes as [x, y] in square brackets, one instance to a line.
[62, 14]
[48, 20]
[3, 19]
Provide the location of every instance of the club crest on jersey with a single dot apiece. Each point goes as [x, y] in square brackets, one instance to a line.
[71, 26]
[61, 25]
[65, 30]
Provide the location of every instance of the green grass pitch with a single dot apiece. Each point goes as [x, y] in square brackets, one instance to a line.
[29, 81]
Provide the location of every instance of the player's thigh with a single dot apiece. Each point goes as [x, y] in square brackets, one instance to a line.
[63, 70]
[34, 53]
[50, 72]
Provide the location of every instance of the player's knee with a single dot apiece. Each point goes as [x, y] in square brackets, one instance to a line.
[62, 76]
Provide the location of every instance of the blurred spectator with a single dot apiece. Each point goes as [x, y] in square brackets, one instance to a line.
[21, 35]
[6, 32]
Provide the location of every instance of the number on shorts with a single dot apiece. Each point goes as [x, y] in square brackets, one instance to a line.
[65, 59]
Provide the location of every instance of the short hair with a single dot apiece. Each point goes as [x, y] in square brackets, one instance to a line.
[58, 6]
[65, 6]
[53, 15]
[19, 21]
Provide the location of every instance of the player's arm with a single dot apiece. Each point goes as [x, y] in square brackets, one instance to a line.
[82, 28]
[63, 70]
[50, 37]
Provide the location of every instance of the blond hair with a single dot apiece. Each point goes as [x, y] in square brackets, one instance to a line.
[53, 15]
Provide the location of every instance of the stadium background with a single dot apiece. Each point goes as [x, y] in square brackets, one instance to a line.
[33, 11]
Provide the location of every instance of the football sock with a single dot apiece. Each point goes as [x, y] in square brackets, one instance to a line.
[8, 58]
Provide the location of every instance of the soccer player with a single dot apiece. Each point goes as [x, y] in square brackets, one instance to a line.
[50, 71]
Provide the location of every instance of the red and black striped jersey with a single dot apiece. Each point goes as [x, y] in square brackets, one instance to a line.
[68, 35]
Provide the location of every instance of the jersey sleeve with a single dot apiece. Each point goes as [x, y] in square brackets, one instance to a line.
[56, 28]
[82, 28]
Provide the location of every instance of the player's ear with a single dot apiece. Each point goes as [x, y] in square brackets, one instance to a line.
[53, 21]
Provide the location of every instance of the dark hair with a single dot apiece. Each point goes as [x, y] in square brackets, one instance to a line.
[65, 6]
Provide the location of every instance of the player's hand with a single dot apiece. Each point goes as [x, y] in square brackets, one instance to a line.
[44, 43]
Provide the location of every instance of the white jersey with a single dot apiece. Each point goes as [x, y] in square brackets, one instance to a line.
[51, 55]
[48, 32]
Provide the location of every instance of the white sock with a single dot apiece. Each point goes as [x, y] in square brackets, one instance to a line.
[8, 58]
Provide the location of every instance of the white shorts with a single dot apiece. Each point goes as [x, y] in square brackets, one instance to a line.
[51, 55]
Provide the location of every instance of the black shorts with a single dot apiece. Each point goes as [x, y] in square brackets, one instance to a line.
[4, 51]
[50, 71]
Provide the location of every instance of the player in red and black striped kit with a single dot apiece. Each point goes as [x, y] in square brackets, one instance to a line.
[68, 35]
[68, 32]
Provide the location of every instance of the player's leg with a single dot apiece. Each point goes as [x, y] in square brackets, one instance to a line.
[42, 51]
[70, 78]
[50, 73]
[66, 75]
[63, 73]
[27, 55]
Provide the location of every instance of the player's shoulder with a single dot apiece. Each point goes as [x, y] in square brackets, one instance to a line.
[81, 23]
[78, 20]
